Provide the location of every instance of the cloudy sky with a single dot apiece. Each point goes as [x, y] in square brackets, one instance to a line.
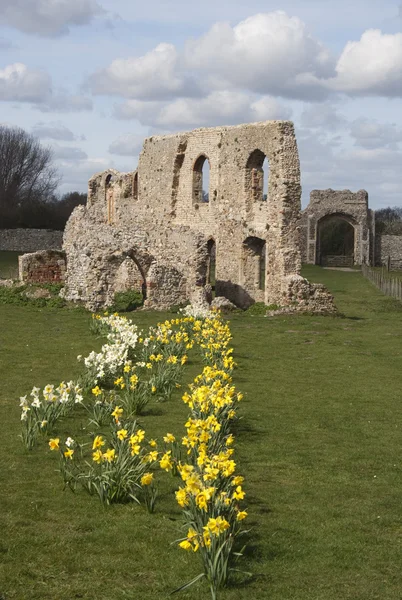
[92, 78]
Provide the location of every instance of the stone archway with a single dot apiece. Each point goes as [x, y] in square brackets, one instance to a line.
[336, 241]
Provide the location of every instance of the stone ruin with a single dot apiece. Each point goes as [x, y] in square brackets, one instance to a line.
[328, 207]
[155, 230]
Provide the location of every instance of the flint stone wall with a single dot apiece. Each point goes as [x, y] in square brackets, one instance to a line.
[46, 266]
[338, 204]
[30, 240]
[150, 227]
[389, 246]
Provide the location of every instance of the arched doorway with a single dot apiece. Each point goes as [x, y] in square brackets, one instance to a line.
[335, 241]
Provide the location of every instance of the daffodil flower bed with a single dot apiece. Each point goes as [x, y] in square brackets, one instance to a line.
[131, 370]
[116, 469]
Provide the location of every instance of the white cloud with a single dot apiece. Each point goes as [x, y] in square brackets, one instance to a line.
[50, 18]
[323, 116]
[269, 53]
[63, 102]
[218, 108]
[53, 131]
[68, 153]
[371, 66]
[371, 134]
[76, 173]
[325, 164]
[21, 84]
[156, 75]
[127, 145]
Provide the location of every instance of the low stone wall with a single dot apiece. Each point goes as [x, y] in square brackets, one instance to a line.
[30, 240]
[389, 246]
[46, 266]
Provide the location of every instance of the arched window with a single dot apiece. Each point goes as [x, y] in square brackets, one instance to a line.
[257, 172]
[135, 186]
[201, 180]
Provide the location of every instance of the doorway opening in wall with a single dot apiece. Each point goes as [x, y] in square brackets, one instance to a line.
[211, 266]
[335, 241]
[201, 174]
[254, 267]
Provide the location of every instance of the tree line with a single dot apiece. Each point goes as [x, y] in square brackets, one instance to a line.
[28, 184]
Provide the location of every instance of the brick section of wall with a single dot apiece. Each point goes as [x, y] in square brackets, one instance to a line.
[46, 266]
[30, 240]
[389, 246]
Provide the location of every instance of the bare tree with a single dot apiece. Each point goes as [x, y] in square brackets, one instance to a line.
[389, 220]
[27, 176]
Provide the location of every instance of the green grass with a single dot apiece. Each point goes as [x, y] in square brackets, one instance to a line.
[9, 265]
[390, 274]
[319, 443]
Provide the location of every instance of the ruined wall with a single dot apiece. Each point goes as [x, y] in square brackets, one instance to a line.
[389, 246]
[343, 204]
[46, 266]
[30, 240]
[155, 218]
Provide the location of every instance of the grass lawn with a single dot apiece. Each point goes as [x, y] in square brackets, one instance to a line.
[390, 274]
[9, 265]
[319, 443]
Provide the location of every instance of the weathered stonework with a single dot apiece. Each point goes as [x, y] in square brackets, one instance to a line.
[327, 205]
[153, 230]
[389, 248]
[46, 266]
[30, 240]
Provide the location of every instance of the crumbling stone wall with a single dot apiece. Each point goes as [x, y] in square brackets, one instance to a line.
[157, 218]
[46, 266]
[30, 240]
[389, 247]
[341, 204]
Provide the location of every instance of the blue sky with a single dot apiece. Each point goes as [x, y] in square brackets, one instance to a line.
[92, 78]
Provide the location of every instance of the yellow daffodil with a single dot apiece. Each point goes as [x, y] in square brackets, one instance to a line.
[98, 442]
[96, 391]
[54, 443]
[147, 479]
[169, 438]
[181, 497]
[110, 455]
[122, 434]
[117, 413]
[97, 456]
[238, 494]
[69, 453]
[166, 462]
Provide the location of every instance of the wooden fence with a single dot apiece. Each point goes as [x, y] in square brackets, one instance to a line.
[390, 286]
